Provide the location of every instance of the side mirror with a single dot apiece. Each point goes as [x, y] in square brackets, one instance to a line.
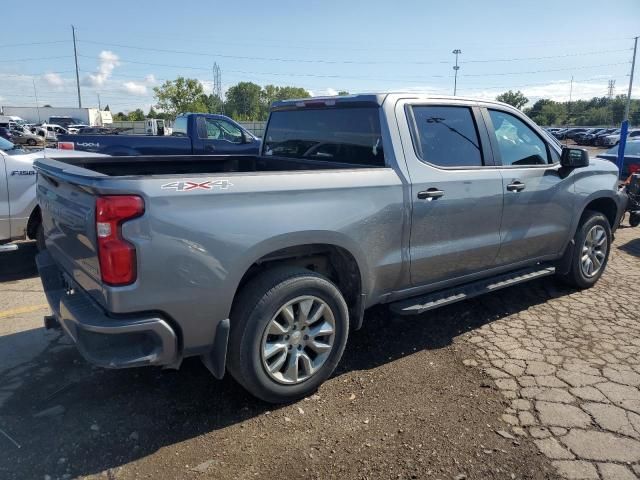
[574, 157]
[246, 138]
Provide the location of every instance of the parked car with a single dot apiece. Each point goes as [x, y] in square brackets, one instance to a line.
[22, 138]
[6, 133]
[75, 128]
[597, 139]
[193, 134]
[353, 201]
[611, 140]
[19, 211]
[631, 158]
[585, 137]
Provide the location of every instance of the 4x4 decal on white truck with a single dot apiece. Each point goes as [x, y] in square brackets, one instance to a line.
[188, 185]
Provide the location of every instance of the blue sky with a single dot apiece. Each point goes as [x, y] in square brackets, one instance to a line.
[126, 48]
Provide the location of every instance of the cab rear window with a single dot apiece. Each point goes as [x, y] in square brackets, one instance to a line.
[339, 135]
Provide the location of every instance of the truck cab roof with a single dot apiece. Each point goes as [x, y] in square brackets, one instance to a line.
[370, 99]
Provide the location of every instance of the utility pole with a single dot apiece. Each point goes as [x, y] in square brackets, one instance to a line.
[612, 86]
[456, 52]
[217, 85]
[569, 106]
[624, 128]
[99, 104]
[35, 92]
[75, 56]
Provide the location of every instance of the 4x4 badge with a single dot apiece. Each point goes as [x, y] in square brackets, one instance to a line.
[188, 185]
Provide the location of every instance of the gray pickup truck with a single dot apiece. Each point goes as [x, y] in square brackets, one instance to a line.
[261, 265]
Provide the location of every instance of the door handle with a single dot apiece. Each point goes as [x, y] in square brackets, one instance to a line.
[430, 193]
[209, 148]
[516, 186]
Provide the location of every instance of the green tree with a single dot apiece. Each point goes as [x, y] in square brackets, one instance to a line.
[120, 117]
[342, 93]
[152, 113]
[180, 96]
[272, 93]
[106, 109]
[136, 115]
[213, 103]
[244, 101]
[515, 99]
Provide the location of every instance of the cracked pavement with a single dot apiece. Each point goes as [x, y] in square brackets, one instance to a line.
[570, 367]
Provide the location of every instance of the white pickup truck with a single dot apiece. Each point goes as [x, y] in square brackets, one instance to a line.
[19, 211]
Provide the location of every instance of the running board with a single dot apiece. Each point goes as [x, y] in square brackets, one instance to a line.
[418, 305]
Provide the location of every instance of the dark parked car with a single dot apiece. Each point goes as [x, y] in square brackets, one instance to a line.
[597, 139]
[584, 138]
[631, 158]
[574, 132]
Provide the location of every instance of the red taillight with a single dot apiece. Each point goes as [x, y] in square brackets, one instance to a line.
[117, 256]
[66, 146]
[634, 168]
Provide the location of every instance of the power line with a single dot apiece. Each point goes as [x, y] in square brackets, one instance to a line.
[35, 59]
[8, 45]
[333, 62]
[545, 71]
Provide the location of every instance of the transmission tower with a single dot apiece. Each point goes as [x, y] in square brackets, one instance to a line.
[217, 85]
[611, 88]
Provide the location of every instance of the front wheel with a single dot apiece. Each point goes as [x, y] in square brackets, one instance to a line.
[31, 142]
[591, 251]
[289, 328]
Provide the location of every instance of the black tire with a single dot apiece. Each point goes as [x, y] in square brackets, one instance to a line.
[254, 308]
[31, 142]
[576, 277]
[40, 244]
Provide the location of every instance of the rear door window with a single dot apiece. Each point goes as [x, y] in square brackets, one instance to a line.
[446, 136]
[340, 135]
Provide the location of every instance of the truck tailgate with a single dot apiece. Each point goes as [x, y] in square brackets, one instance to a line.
[68, 219]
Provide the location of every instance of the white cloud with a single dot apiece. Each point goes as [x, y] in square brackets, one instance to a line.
[134, 88]
[139, 88]
[53, 79]
[108, 62]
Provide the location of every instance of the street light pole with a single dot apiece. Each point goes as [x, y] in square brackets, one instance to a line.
[624, 128]
[456, 52]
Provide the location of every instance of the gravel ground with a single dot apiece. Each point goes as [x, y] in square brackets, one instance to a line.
[489, 388]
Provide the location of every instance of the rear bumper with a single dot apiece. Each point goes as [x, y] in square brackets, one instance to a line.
[137, 340]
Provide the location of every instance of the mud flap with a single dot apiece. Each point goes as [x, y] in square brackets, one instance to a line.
[564, 264]
[215, 359]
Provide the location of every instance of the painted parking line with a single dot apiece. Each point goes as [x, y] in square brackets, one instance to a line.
[12, 312]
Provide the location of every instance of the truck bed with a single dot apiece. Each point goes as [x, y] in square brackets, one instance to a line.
[198, 164]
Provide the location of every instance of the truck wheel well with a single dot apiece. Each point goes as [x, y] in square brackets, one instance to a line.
[34, 221]
[335, 263]
[606, 206]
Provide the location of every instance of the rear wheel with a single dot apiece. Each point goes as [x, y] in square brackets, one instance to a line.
[31, 142]
[591, 251]
[289, 327]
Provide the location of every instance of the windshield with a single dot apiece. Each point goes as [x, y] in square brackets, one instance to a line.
[344, 135]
